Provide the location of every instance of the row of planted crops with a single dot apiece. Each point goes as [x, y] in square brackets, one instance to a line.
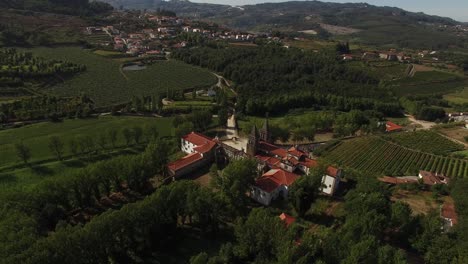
[376, 155]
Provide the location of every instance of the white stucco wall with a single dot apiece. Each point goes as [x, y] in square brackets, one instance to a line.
[186, 146]
[329, 184]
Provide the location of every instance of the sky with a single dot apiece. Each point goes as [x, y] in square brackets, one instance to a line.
[456, 9]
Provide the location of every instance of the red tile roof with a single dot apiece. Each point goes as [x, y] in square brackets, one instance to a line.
[274, 178]
[311, 163]
[332, 171]
[448, 211]
[287, 219]
[292, 160]
[391, 127]
[185, 161]
[205, 147]
[272, 149]
[272, 161]
[295, 152]
[197, 139]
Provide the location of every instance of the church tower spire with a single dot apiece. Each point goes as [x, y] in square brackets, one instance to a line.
[252, 144]
[265, 131]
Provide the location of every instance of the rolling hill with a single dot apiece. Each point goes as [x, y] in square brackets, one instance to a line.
[362, 22]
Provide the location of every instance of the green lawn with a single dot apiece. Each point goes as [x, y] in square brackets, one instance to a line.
[105, 83]
[36, 137]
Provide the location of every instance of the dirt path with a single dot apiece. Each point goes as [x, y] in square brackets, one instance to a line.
[221, 79]
[424, 124]
[454, 140]
[231, 129]
[121, 72]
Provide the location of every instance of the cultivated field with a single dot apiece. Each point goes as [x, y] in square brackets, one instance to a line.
[428, 82]
[426, 141]
[36, 137]
[377, 156]
[458, 97]
[105, 83]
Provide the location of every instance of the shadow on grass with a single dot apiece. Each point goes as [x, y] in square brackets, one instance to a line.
[42, 170]
[7, 178]
[74, 163]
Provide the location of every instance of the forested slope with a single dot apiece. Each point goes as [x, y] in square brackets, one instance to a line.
[273, 79]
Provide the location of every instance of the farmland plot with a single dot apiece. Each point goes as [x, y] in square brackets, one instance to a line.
[377, 156]
[104, 82]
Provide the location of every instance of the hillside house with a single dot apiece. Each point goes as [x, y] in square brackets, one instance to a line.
[272, 185]
[391, 127]
[431, 178]
[199, 150]
[448, 215]
[369, 55]
[458, 116]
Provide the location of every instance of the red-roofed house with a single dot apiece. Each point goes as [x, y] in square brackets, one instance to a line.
[448, 213]
[200, 150]
[392, 127]
[272, 185]
[293, 160]
[287, 219]
[195, 142]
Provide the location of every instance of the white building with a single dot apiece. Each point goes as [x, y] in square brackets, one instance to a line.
[272, 185]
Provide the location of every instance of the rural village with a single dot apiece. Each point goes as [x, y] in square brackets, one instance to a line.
[139, 135]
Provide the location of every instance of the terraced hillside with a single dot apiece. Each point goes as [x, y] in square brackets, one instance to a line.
[377, 156]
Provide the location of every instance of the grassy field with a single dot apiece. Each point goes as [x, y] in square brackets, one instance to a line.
[105, 83]
[24, 178]
[377, 156]
[36, 136]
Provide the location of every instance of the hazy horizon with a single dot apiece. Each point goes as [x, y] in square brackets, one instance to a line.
[456, 9]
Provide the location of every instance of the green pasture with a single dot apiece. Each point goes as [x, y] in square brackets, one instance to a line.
[36, 136]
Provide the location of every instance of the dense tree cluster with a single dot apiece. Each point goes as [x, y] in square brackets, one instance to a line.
[70, 7]
[274, 79]
[28, 215]
[426, 107]
[46, 107]
[16, 68]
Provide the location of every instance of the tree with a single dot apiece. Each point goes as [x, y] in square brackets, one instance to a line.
[3, 117]
[137, 132]
[102, 141]
[127, 133]
[201, 120]
[235, 180]
[258, 237]
[305, 190]
[151, 132]
[56, 146]
[201, 258]
[183, 129]
[74, 147]
[112, 134]
[23, 152]
[222, 117]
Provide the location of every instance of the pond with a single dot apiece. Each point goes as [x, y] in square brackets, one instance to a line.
[134, 67]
